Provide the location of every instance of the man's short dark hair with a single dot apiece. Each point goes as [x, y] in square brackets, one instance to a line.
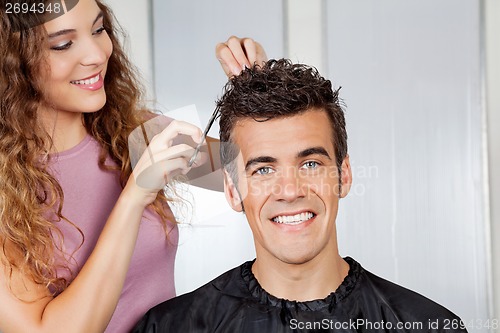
[278, 89]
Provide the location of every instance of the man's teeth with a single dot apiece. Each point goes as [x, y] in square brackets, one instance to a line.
[88, 81]
[293, 219]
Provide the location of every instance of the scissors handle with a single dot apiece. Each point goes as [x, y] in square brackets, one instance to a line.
[196, 151]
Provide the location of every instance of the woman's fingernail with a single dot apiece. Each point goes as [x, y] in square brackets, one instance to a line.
[236, 70]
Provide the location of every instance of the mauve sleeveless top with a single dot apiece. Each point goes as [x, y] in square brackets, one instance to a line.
[89, 196]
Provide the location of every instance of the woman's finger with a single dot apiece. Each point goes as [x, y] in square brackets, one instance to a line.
[176, 127]
[237, 49]
[156, 176]
[250, 49]
[237, 53]
[227, 60]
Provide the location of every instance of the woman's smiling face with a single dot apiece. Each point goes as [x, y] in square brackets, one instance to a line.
[78, 57]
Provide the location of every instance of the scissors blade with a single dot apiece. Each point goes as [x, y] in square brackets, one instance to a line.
[204, 136]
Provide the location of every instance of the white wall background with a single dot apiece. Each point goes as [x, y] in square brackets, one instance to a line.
[412, 80]
[492, 45]
[187, 72]
[411, 77]
[134, 18]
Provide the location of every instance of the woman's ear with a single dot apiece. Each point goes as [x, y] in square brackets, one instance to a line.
[232, 194]
[345, 177]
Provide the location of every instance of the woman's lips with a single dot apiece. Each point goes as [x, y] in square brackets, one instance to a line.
[93, 83]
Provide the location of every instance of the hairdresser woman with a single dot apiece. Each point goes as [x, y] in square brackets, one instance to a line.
[83, 247]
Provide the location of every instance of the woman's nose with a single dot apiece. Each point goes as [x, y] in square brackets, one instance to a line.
[96, 51]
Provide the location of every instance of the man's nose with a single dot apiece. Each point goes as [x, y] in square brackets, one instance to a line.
[289, 185]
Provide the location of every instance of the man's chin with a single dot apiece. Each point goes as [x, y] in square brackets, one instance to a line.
[296, 258]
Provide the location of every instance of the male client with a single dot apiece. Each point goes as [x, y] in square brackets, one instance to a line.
[284, 152]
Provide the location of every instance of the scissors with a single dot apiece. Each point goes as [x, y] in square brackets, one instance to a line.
[214, 116]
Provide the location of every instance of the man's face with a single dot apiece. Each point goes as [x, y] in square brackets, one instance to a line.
[289, 185]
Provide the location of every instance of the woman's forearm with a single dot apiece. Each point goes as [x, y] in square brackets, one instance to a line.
[89, 301]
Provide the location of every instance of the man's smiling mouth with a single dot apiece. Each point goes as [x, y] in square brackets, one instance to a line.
[294, 219]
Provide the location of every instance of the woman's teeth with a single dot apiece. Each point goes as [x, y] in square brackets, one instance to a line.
[293, 219]
[88, 81]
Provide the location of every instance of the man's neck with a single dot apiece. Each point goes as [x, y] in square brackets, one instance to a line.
[314, 279]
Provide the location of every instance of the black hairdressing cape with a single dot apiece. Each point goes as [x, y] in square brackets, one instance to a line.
[234, 302]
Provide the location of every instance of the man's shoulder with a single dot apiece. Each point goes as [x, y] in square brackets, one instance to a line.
[404, 304]
[398, 295]
[205, 292]
[178, 311]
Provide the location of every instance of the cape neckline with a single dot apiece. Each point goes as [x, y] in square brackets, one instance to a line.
[336, 296]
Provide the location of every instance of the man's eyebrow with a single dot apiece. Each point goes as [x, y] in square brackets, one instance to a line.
[314, 151]
[260, 159]
[304, 153]
[67, 31]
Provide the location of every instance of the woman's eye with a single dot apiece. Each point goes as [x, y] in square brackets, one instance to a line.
[310, 165]
[99, 31]
[264, 171]
[62, 47]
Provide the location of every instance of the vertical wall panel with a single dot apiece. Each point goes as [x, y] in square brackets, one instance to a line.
[306, 36]
[187, 72]
[134, 17]
[492, 31]
[185, 35]
[410, 72]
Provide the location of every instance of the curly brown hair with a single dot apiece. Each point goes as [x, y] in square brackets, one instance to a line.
[278, 89]
[27, 236]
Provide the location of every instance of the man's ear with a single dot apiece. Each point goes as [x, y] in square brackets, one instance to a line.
[232, 194]
[345, 177]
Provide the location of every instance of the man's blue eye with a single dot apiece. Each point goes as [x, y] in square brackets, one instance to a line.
[264, 171]
[311, 165]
